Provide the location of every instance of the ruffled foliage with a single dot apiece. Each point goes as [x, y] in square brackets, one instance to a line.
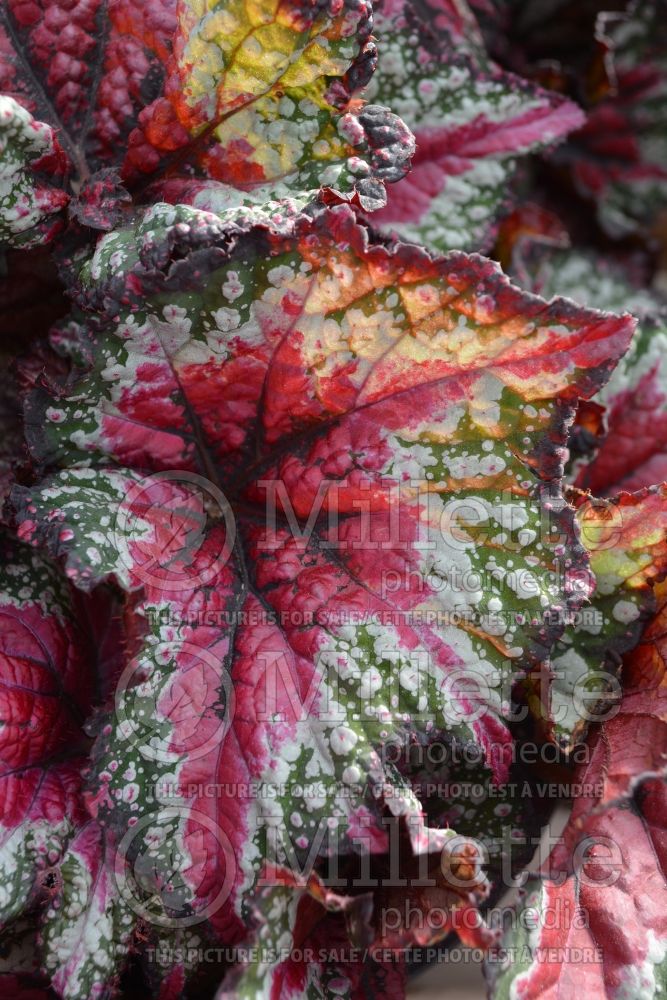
[324, 553]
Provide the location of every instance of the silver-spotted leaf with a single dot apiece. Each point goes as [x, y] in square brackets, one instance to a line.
[329, 476]
[596, 915]
[30, 155]
[471, 121]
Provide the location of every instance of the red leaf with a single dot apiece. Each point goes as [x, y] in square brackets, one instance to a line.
[92, 84]
[618, 157]
[606, 879]
[129, 85]
[45, 692]
[308, 358]
[471, 121]
[633, 453]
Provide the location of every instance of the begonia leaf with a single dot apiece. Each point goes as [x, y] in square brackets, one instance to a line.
[417, 408]
[471, 120]
[630, 452]
[618, 157]
[30, 209]
[258, 96]
[45, 694]
[627, 542]
[596, 916]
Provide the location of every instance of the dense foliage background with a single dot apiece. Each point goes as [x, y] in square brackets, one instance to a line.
[332, 551]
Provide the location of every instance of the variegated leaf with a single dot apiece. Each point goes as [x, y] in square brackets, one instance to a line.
[30, 209]
[618, 157]
[86, 928]
[257, 96]
[631, 454]
[45, 692]
[596, 917]
[627, 542]
[471, 120]
[386, 429]
[87, 68]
